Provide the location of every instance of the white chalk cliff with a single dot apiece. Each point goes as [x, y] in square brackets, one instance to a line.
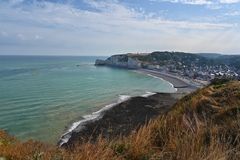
[123, 61]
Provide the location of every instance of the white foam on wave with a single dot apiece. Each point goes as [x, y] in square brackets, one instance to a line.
[91, 117]
[147, 94]
[123, 98]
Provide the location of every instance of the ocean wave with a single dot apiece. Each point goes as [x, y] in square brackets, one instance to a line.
[123, 98]
[147, 94]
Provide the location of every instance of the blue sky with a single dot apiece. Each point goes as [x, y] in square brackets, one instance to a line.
[105, 27]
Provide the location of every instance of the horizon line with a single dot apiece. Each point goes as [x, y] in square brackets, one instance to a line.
[77, 55]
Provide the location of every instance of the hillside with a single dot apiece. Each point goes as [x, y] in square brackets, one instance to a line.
[203, 67]
[189, 59]
[210, 55]
[202, 125]
[174, 58]
[231, 60]
[159, 58]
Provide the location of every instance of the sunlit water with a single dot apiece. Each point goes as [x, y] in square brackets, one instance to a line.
[40, 96]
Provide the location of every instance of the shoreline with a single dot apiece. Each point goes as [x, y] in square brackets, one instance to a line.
[94, 116]
[88, 118]
[182, 85]
[89, 127]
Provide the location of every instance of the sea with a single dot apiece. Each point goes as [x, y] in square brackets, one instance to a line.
[41, 97]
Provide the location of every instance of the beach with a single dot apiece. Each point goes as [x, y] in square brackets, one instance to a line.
[181, 85]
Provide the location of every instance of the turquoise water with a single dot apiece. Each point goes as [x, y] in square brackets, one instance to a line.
[40, 96]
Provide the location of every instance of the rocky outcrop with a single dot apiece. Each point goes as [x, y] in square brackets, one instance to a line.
[123, 61]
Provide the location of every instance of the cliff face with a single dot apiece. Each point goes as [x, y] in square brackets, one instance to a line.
[152, 60]
[123, 61]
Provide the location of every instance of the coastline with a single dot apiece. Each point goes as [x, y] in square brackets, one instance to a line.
[181, 85]
[94, 116]
[108, 121]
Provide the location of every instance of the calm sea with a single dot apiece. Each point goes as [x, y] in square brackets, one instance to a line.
[41, 96]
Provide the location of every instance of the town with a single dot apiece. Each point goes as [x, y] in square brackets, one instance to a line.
[197, 72]
[196, 67]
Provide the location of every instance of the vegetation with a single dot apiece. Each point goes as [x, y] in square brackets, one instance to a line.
[203, 125]
[187, 59]
[231, 60]
[163, 58]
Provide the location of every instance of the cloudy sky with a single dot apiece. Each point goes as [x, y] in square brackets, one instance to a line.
[105, 27]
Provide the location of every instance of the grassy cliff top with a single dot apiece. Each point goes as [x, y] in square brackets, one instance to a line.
[187, 59]
[202, 125]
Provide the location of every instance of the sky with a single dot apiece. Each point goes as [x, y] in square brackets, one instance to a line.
[106, 27]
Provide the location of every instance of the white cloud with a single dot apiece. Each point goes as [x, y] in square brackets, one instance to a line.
[37, 37]
[110, 27]
[21, 36]
[3, 33]
[193, 2]
[15, 2]
[229, 1]
[233, 13]
[210, 4]
[199, 2]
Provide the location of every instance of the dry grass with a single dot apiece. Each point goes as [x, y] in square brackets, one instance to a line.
[202, 126]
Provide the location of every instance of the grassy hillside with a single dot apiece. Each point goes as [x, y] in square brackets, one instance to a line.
[231, 60]
[188, 59]
[164, 58]
[210, 55]
[202, 125]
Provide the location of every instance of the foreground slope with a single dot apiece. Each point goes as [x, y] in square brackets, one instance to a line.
[202, 125]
